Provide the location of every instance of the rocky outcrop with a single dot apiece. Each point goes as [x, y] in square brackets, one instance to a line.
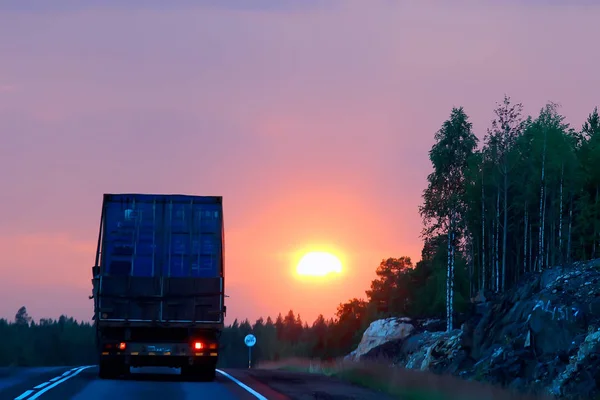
[582, 373]
[541, 336]
[380, 332]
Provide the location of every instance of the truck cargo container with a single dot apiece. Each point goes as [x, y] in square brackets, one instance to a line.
[158, 283]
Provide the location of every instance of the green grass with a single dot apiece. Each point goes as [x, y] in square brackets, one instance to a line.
[399, 392]
[7, 371]
[400, 383]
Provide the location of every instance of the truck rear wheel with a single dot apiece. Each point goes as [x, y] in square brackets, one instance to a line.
[105, 371]
[203, 373]
[210, 373]
[112, 369]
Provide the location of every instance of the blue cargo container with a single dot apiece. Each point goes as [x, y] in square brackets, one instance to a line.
[162, 235]
[160, 258]
[158, 283]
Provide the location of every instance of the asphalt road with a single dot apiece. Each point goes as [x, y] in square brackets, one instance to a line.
[82, 383]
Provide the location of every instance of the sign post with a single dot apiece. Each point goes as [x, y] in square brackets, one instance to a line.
[250, 341]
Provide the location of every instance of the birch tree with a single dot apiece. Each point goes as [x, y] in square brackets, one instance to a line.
[501, 139]
[444, 199]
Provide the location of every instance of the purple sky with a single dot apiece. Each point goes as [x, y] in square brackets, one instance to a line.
[313, 120]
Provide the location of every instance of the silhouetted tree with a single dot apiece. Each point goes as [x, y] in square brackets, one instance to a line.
[22, 318]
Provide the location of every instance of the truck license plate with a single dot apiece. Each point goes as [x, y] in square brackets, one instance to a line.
[159, 349]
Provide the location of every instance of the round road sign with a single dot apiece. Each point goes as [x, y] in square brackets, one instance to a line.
[250, 340]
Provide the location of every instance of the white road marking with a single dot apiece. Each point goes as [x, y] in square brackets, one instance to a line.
[56, 383]
[41, 385]
[243, 386]
[25, 394]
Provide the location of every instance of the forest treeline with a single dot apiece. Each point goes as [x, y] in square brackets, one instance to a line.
[524, 198]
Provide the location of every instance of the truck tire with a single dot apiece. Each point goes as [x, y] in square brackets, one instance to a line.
[210, 374]
[112, 370]
[189, 372]
[199, 373]
[106, 370]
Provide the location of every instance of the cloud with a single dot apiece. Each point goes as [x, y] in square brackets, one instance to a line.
[61, 6]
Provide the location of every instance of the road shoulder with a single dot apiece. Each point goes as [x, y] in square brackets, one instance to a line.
[300, 385]
[244, 377]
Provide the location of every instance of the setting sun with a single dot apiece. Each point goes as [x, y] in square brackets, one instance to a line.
[318, 264]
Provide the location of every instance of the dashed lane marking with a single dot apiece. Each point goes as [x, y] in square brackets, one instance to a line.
[25, 394]
[48, 385]
[41, 385]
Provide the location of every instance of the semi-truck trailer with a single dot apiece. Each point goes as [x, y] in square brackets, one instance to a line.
[158, 283]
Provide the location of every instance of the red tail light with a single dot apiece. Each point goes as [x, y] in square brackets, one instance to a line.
[198, 345]
[122, 346]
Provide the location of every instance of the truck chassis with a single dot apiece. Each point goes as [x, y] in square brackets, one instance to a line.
[194, 350]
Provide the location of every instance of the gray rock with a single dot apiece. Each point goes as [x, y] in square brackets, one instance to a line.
[541, 335]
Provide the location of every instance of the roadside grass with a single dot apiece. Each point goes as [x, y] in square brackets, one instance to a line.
[401, 383]
[7, 371]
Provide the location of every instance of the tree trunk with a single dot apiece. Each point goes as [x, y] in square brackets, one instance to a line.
[483, 269]
[547, 253]
[531, 266]
[544, 239]
[471, 266]
[504, 230]
[560, 217]
[570, 229]
[525, 232]
[516, 272]
[552, 244]
[492, 255]
[540, 255]
[595, 224]
[451, 322]
[540, 260]
[448, 278]
[496, 255]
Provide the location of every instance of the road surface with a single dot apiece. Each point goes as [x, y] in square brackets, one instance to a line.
[82, 383]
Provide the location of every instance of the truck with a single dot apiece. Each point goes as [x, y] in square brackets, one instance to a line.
[158, 283]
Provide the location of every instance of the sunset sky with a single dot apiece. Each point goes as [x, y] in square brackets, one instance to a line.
[313, 119]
